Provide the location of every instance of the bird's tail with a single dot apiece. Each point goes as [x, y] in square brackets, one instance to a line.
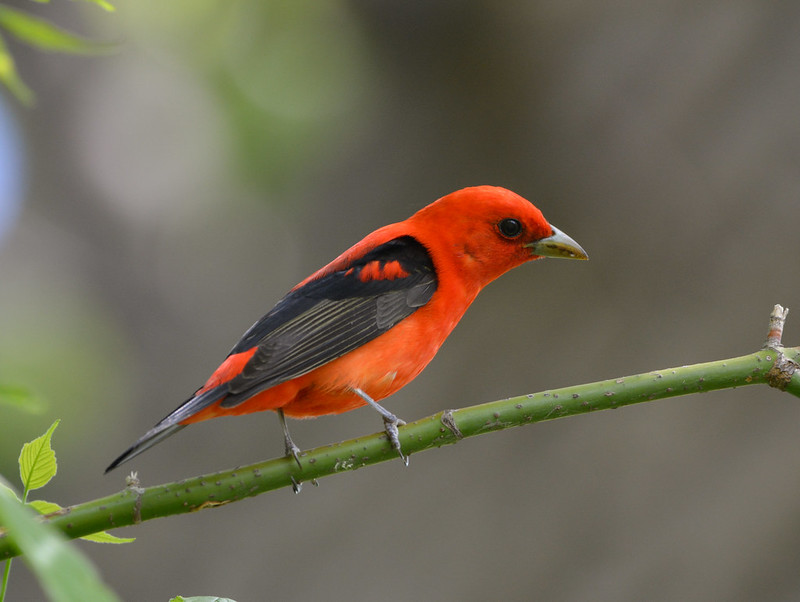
[155, 435]
[171, 424]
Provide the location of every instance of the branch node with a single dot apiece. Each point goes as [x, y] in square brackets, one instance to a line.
[449, 421]
[776, 321]
[781, 372]
[132, 484]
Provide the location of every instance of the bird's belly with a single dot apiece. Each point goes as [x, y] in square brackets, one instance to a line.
[379, 368]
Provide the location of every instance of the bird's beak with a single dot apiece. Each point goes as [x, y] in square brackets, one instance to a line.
[557, 245]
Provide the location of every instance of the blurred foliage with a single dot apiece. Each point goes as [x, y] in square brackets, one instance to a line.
[284, 73]
[63, 571]
[10, 78]
[41, 34]
[20, 398]
[72, 359]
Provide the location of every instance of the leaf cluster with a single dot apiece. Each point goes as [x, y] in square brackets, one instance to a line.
[64, 573]
[42, 34]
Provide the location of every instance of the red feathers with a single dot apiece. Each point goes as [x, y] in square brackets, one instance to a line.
[366, 324]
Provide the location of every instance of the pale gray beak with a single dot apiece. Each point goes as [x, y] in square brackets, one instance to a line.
[557, 245]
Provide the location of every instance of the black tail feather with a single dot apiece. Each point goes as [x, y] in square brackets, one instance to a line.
[171, 424]
[150, 438]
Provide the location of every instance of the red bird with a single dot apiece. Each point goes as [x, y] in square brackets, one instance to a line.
[367, 323]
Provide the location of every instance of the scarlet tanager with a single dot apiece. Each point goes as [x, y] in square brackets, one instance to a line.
[367, 323]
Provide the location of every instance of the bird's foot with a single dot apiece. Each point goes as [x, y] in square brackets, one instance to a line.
[296, 485]
[390, 424]
[293, 451]
[288, 445]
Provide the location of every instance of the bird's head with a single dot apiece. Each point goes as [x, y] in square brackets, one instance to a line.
[489, 230]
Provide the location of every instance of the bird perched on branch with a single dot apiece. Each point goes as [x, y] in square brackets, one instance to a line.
[366, 324]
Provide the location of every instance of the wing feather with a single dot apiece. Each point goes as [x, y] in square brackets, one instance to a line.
[333, 315]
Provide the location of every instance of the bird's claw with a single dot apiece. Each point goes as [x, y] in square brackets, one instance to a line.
[296, 485]
[293, 451]
[390, 426]
[289, 446]
[390, 422]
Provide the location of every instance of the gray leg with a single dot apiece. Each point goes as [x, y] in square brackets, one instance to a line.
[390, 422]
[291, 448]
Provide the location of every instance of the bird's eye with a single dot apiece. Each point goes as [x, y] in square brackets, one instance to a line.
[510, 227]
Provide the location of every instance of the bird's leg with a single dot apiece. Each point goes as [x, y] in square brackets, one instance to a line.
[291, 448]
[390, 422]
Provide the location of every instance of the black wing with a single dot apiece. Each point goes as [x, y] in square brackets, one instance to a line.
[334, 314]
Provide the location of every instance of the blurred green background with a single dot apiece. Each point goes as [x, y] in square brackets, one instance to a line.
[173, 191]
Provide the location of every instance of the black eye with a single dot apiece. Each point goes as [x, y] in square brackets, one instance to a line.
[510, 227]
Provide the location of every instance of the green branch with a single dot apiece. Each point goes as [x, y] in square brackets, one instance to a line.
[773, 365]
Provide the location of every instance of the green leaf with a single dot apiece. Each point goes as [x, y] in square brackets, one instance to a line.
[37, 461]
[8, 491]
[20, 398]
[106, 537]
[63, 572]
[107, 6]
[44, 35]
[10, 78]
[43, 507]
